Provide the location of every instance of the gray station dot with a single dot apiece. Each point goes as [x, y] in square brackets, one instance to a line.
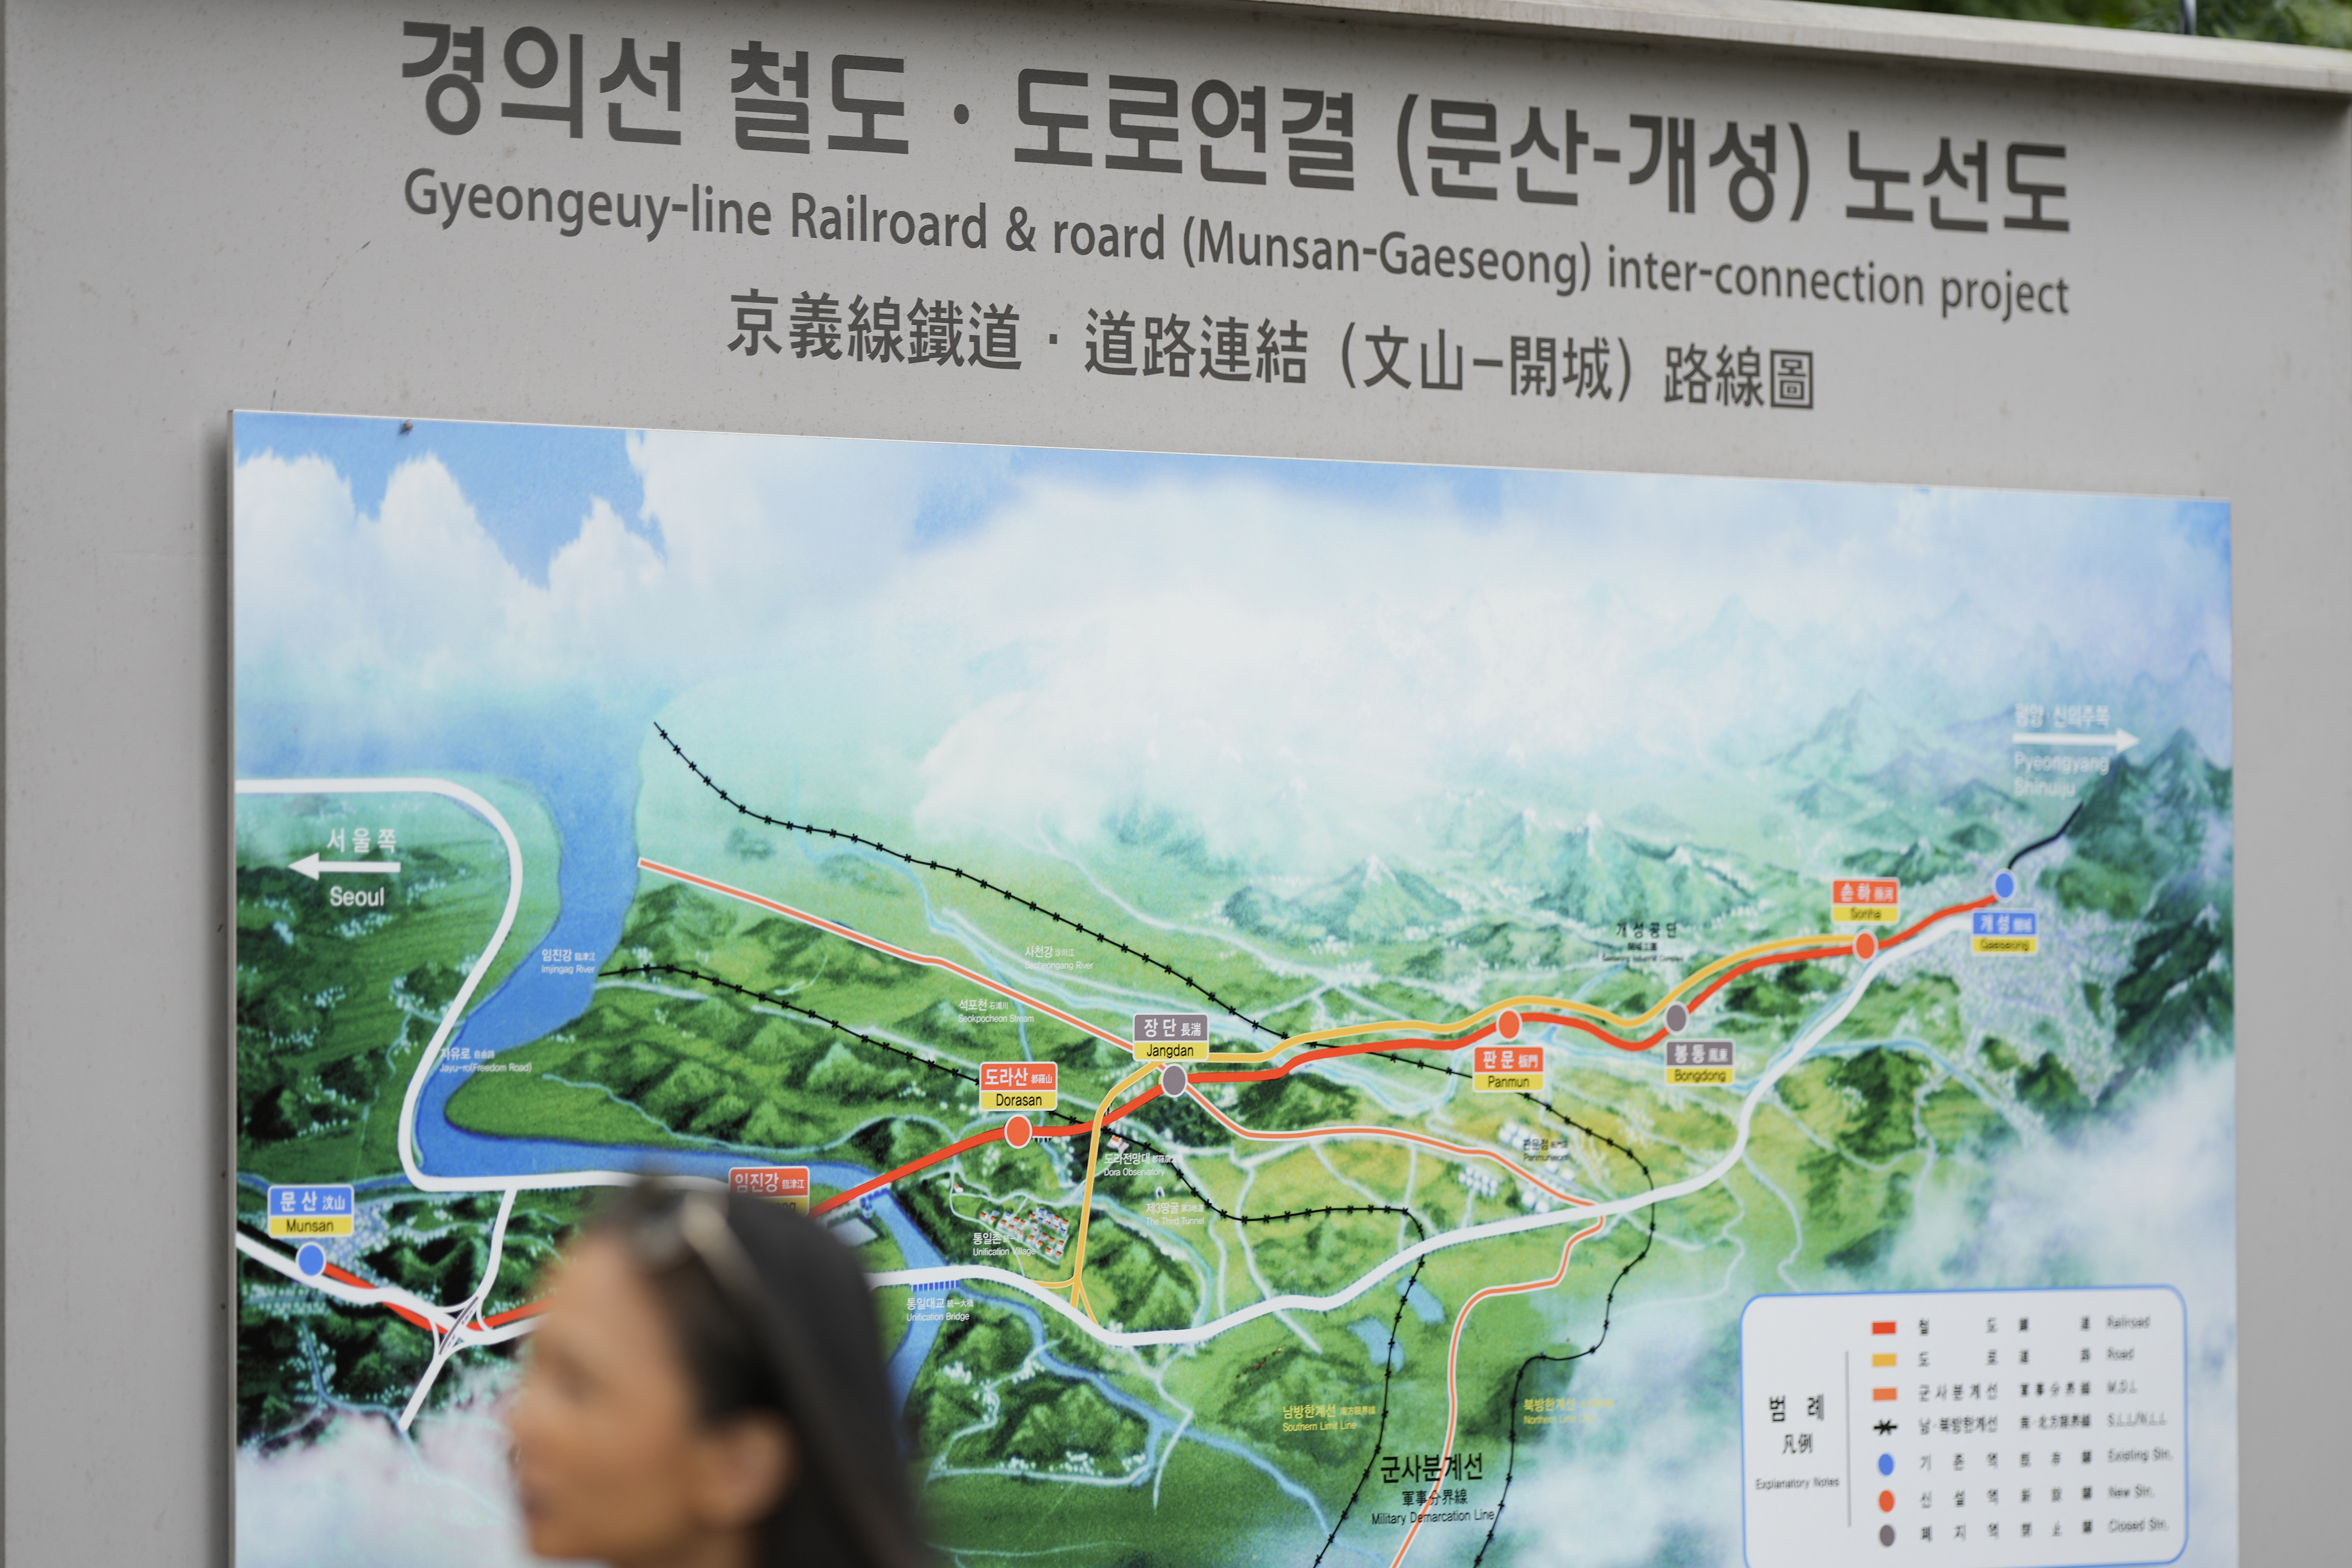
[1676, 1016]
[1886, 1535]
[1172, 1079]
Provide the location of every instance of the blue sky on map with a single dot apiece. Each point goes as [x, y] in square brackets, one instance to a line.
[1053, 630]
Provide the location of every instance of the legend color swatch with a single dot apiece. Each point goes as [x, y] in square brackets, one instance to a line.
[2024, 1428]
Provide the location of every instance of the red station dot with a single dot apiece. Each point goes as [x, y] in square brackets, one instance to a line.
[1886, 1503]
[1865, 947]
[1507, 1025]
[1017, 1133]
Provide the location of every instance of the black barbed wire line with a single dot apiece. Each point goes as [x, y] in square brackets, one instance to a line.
[1388, 1377]
[1519, 1380]
[1608, 1305]
[648, 970]
[958, 1069]
[819, 830]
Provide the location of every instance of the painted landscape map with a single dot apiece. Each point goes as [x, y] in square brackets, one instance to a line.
[1355, 1013]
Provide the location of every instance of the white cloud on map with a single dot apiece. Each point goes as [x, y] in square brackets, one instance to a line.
[352, 1498]
[1237, 644]
[1655, 1479]
[2149, 1195]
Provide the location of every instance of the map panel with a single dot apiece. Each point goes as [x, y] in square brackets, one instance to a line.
[1320, 992]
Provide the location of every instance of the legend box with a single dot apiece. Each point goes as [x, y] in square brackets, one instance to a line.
[2017, 1428]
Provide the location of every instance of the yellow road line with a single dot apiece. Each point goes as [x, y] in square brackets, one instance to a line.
[1086, 1201]
[1421, 1025]
[1094, 1141]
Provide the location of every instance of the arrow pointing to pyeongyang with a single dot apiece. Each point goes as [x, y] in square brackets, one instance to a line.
[310, 866]
[2122, 739]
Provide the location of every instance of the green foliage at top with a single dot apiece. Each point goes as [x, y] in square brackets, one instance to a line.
[2324, 23]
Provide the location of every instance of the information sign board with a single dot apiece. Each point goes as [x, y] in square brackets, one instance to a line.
[1341, 995]
[1529, 360]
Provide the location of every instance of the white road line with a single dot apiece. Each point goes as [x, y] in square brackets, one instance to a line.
[356, 1295]
[1393, 1135]
[452, 1330]
[474, 1333]
[467, 1316]
[1203, 1332]
[904, 955]
[460, 1329]
[405, 1137]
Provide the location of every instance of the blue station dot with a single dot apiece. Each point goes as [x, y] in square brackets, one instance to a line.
[2004, 885]
[312, 1260]
[1885, 1464]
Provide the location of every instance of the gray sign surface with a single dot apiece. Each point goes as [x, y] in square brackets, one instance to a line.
[1802, 243]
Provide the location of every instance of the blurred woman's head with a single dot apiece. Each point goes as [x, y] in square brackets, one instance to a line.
[706, 1387]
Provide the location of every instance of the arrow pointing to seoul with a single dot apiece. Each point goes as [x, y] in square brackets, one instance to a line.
[2122, 739]
[310, 866]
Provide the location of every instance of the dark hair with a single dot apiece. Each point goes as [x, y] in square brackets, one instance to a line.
[797, 1338]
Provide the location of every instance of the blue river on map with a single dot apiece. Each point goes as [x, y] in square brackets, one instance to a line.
[594, 802]
[592, 797]
[595, 812]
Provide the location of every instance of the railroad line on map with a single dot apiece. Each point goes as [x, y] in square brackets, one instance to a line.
[977, 880]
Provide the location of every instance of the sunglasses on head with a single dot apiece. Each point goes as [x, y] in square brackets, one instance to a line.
[683, 1225]
[686, 1223]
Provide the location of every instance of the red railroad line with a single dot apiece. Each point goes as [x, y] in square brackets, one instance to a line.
[1361, 1047]
[996, 1134]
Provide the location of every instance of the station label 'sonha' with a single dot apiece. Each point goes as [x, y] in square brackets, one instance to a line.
[1877, 901]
